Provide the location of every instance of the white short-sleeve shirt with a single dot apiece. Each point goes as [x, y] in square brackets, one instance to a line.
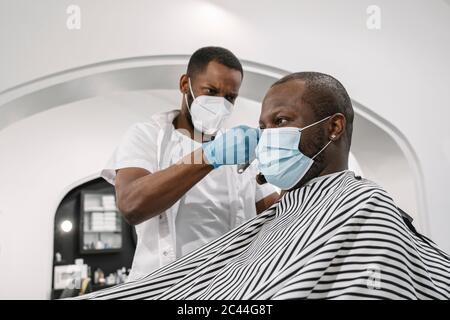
[219, 202]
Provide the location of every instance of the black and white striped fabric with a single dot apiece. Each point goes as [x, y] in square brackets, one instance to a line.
[338, 237]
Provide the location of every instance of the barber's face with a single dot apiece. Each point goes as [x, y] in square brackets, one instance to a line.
[215, 80]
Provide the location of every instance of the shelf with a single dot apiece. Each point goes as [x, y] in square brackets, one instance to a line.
[116, 249]
[100, 251]
[100, 224]
[102, 231]
[56, 293]
[96, 287]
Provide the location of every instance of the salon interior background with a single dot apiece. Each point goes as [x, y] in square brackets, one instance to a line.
[67, 94]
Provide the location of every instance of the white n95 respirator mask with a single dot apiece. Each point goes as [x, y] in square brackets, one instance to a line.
[208, 113]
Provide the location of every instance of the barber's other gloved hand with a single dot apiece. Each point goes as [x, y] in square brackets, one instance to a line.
[235, 146]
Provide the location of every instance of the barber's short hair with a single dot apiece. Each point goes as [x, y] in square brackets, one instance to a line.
[326, 95]
[203, 56]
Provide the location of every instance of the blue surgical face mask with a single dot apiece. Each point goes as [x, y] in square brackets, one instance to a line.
[280, 160]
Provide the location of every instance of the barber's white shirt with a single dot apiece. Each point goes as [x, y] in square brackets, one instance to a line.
[219, 202]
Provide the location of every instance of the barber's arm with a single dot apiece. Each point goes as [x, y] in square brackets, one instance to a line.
[266, 202]
[142, 195]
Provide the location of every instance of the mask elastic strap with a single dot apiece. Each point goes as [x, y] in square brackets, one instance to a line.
[185, 95]
[313, 124]
[190, 88]
[187, 104]
[322, 149]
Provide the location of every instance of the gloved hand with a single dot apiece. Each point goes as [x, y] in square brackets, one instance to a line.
[235, 146]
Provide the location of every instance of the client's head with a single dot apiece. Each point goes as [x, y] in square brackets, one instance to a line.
[302, 99]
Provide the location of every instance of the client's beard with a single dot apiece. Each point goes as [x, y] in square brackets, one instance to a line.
[318, 164]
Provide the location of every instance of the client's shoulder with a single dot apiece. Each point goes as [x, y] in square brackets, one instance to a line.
[362, 190]
[356, 182]
[368, 196]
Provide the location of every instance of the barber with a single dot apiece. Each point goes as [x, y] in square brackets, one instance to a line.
[175, 176]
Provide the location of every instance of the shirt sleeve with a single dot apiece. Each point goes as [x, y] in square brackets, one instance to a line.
[137, 148]
[263, 190]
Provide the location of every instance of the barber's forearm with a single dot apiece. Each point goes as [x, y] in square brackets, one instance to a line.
[152, 194]
[266, 202]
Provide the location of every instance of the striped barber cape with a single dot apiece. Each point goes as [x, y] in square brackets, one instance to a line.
[337, 237]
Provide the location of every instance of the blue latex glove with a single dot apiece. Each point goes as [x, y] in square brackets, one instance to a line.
[235, 146]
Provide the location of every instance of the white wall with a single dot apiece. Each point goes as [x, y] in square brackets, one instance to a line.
[402, 72]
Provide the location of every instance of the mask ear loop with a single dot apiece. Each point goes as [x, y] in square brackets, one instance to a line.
[190, 88]
[192, 93]
[322, 149]
[313, 124]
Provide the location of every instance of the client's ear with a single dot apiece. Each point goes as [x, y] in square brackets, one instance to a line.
[336, 127]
